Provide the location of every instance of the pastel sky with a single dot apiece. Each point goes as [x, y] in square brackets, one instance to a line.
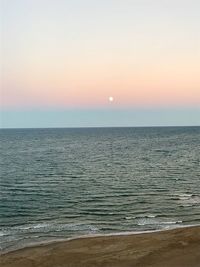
[66, 58]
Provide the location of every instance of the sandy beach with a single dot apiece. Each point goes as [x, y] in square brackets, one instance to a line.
[171, 248]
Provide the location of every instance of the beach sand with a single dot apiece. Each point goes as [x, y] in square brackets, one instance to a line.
[171, 248]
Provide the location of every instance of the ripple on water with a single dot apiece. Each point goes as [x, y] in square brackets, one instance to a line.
[68, 182]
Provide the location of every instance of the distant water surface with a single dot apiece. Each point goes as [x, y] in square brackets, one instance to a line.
[61, 183]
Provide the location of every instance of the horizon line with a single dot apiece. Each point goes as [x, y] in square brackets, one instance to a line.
[96, 127]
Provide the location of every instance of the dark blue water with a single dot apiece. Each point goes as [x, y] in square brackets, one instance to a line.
[61, 183]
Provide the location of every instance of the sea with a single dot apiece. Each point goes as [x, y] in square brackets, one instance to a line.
[57, 184]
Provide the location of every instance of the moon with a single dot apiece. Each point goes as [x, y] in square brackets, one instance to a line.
[111, 98]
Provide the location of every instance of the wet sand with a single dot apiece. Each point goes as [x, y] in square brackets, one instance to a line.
[172, 248]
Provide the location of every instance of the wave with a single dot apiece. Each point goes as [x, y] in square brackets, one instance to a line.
[3, 233]
[187, 200]
[140, 216]
[49, 227]
[157, 222]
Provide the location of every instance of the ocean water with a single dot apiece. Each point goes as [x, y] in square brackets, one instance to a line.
[64, 183]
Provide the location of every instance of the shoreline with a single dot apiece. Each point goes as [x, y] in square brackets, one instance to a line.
[92, 235]
[170, 247]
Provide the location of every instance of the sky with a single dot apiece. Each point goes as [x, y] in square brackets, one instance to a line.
[99, 63]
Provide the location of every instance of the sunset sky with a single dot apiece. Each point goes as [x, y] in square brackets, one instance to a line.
[61, 60]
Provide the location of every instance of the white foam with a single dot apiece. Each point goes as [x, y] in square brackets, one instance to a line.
[32, 226]
[185, 195]
[140, 216]
[152, 221]
[189, 199]
[55, 227]
[151, 216]
[41, 225]
[2, 233]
